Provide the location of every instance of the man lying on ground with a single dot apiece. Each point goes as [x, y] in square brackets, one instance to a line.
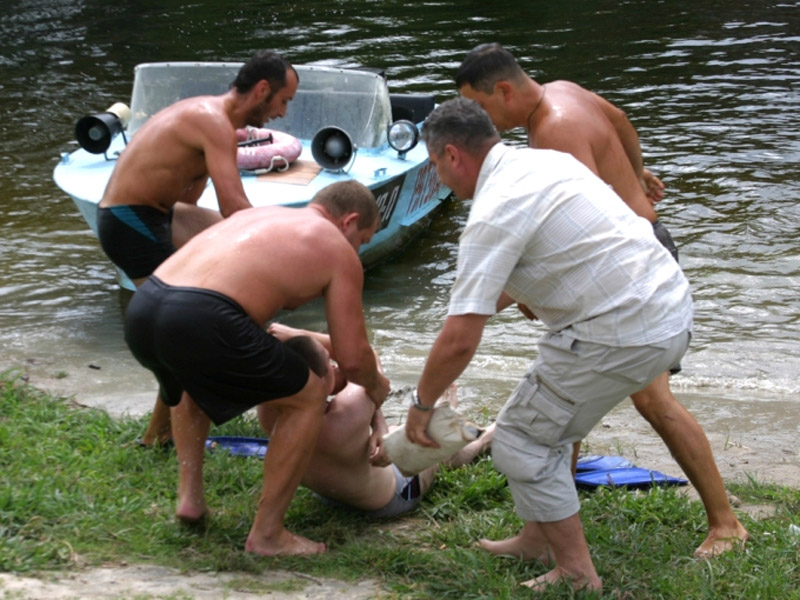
[348, 466]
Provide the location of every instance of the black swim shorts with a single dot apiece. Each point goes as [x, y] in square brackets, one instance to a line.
[136, 238]
[203, 342]
[665, 237]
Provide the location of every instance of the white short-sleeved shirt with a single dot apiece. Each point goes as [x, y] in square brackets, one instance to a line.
[553, 236]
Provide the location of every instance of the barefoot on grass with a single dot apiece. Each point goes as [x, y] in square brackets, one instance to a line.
[720, 541]
[285, 543]
[557, 576]
[517, 547]
[189, 513]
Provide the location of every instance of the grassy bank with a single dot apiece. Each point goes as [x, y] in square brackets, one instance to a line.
[75, 490]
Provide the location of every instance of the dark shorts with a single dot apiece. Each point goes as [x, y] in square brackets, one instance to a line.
[407, 496]
[136, 238]
[204, 343]
[665, 237]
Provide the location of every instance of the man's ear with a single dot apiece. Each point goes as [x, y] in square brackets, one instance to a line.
[505, 89]
[451, 154]
[350, 218]
[263, 88]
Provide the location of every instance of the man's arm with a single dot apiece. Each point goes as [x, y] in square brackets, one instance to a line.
[218, 140]
[625, 130]
[347, 330]
[377, 457]
[652, 185]
[451, 353]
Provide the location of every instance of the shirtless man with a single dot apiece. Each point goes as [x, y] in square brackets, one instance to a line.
[150, 205]
[348, 467]
[198, 324]
[561, 115]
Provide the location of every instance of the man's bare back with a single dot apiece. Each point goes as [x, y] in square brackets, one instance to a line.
[300, 267]
[574, 120]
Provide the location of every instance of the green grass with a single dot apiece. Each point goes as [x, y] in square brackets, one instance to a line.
[75, 490]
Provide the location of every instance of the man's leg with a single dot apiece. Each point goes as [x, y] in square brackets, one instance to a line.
[187, 221]
[689, 446]
[291, 445]
[191, 426]
[529, 544]
[340, 468]
[571, 555]
[159, 428]
[472, 450]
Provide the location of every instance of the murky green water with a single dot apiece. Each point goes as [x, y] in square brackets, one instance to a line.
[711, 86]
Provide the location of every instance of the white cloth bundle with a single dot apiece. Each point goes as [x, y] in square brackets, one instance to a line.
[447, 427]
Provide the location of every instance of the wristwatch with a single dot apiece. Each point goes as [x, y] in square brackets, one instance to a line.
[417, 404]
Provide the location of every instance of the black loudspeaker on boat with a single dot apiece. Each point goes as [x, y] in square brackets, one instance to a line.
[332, 148]
[95, 132]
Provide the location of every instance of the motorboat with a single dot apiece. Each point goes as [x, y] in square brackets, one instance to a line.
[348, 124]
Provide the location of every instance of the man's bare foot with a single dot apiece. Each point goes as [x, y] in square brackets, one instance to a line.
[558, 575]
[189, 513]
[152, 442]
[285, 543]
[721, 540]
[518, 547]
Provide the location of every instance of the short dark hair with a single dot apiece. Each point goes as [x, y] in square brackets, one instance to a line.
[487, 64]
[344, 197]
[266, 64]
[310, 351]
[461, 122]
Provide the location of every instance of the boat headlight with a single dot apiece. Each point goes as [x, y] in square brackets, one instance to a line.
[403, 135]
[95, 132]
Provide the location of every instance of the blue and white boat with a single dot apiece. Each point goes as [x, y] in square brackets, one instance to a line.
[349, 124]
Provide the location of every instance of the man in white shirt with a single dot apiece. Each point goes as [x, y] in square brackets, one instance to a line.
[544, 232]
[561, 115]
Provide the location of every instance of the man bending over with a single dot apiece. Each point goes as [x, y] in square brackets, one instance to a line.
[198, 324]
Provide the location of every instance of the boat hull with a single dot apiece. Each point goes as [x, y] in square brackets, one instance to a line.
[408, 192]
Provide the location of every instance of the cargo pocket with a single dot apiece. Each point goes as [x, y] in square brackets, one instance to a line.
[552, 415]
[538, 412]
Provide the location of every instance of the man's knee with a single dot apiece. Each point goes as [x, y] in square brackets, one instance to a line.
[655, 398]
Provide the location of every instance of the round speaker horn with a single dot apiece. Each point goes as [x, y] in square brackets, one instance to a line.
[95, 132]
[332, 148]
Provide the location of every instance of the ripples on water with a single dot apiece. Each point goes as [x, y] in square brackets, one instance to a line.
[711, 88]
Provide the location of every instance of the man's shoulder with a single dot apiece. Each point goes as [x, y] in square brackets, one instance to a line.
[198, 109]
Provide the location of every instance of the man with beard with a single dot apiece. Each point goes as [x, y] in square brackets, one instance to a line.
[150, 205]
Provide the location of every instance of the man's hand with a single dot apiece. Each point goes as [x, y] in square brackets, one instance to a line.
[283, 332]
[653, 186]
[377, 455]
[416, 424]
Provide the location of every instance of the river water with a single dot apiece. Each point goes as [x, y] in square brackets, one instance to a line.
[711, 86]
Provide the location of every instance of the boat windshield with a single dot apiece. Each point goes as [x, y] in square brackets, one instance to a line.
[354, 100]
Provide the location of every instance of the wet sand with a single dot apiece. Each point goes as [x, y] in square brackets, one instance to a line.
[751, 434]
